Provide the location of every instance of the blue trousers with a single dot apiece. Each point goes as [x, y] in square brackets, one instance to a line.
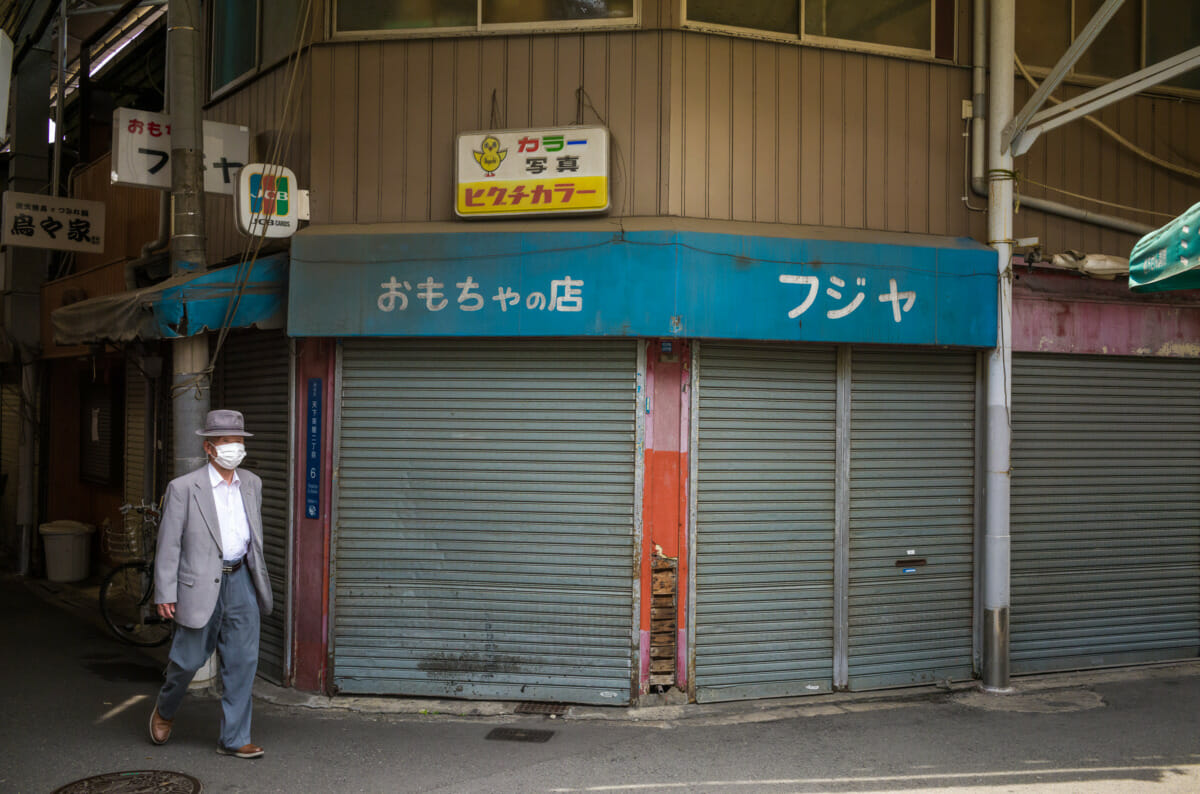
[233, 631]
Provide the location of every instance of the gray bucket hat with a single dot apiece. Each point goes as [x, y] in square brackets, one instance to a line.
[224, 422]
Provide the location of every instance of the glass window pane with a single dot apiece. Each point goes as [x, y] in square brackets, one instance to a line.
[278, 29]
[1043, 31]
[1117, 51]
[404, 14]
[1173, 26]
[497, 12]
[234, 23]
[895, 23]
[779, 16]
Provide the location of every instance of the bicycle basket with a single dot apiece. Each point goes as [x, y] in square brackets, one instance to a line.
[124, 543]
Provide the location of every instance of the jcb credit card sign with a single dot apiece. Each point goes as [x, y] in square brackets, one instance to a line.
[263, 201]
[551, 171]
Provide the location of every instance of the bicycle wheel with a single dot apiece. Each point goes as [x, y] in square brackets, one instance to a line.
[127, 605]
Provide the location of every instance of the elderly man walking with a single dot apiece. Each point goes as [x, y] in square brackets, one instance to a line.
[211, 578]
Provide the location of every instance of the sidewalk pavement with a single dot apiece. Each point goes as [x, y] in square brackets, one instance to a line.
[77, 702]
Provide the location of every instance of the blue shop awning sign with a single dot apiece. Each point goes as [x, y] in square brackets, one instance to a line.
[642, 283]
[252, 293]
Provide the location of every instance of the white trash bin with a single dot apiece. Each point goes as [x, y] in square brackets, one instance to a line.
[68, 550]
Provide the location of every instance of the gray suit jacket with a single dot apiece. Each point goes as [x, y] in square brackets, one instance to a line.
[187, 568]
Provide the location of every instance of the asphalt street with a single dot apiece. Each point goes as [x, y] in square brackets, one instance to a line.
[76, 702]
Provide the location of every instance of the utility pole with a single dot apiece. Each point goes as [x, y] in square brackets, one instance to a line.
[997, 489]
[190, 385]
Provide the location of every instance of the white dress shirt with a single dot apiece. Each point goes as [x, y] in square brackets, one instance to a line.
[231, 514]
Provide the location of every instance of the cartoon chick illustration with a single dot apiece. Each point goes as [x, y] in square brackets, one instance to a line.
[491, 156]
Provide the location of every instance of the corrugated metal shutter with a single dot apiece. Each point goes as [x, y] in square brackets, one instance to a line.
[1105, 511]
[764, 520]
[98, 460]
[135, 434]
[912, 488]
[10, 444]
[252, 377]
[484, 543]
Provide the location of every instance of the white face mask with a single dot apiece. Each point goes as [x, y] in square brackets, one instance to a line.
[230, 456]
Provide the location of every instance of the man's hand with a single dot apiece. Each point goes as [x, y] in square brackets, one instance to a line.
[166, 611]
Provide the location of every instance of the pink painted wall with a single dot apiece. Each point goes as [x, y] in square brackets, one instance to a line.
[1068, 313]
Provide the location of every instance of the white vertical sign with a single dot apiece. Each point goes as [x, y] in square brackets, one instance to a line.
[142, 151]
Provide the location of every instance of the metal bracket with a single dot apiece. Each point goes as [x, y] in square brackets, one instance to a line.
[1016, 128]
[1101, 97]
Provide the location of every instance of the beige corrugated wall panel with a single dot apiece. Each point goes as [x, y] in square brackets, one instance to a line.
[715, 170]
[810, 136]
[895, 169]
[442, 129]
[747, 115]
[854, 176]
[789, 138]
[384, 151]
[876, 136]
[642, 150]
[711, 126]
[765, 204]
[371, 137]
[941, 139]
[831, 111]
[345, 156]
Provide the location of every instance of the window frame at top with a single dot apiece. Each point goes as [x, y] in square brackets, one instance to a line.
[258, 65]
[480, 29]
[1074, 75]
[832, 42]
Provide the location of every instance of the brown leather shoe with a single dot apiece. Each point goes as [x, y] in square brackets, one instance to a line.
[160, 729]
[245, 751]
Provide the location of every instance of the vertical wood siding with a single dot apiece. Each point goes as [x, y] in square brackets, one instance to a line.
[716, 127]
[384, 152]
[130, 215]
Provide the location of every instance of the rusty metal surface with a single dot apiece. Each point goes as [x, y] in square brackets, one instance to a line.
[143, 781]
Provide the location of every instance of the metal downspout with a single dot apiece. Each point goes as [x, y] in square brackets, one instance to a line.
[978, 143]
[996, 547]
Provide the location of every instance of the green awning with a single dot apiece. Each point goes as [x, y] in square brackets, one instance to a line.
[1168, 258]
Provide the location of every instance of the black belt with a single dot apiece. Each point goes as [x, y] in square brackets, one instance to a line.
[231, 567]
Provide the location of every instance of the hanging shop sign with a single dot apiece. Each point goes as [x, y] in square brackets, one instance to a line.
[550, 171]
[61, 224]
[642, 283]
[142, 151]
[266, 202]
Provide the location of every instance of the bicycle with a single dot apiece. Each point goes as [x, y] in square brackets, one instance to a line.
[127, 593]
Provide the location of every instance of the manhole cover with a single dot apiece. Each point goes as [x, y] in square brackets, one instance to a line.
[519, 735]
[541, 708]
[142, 781]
